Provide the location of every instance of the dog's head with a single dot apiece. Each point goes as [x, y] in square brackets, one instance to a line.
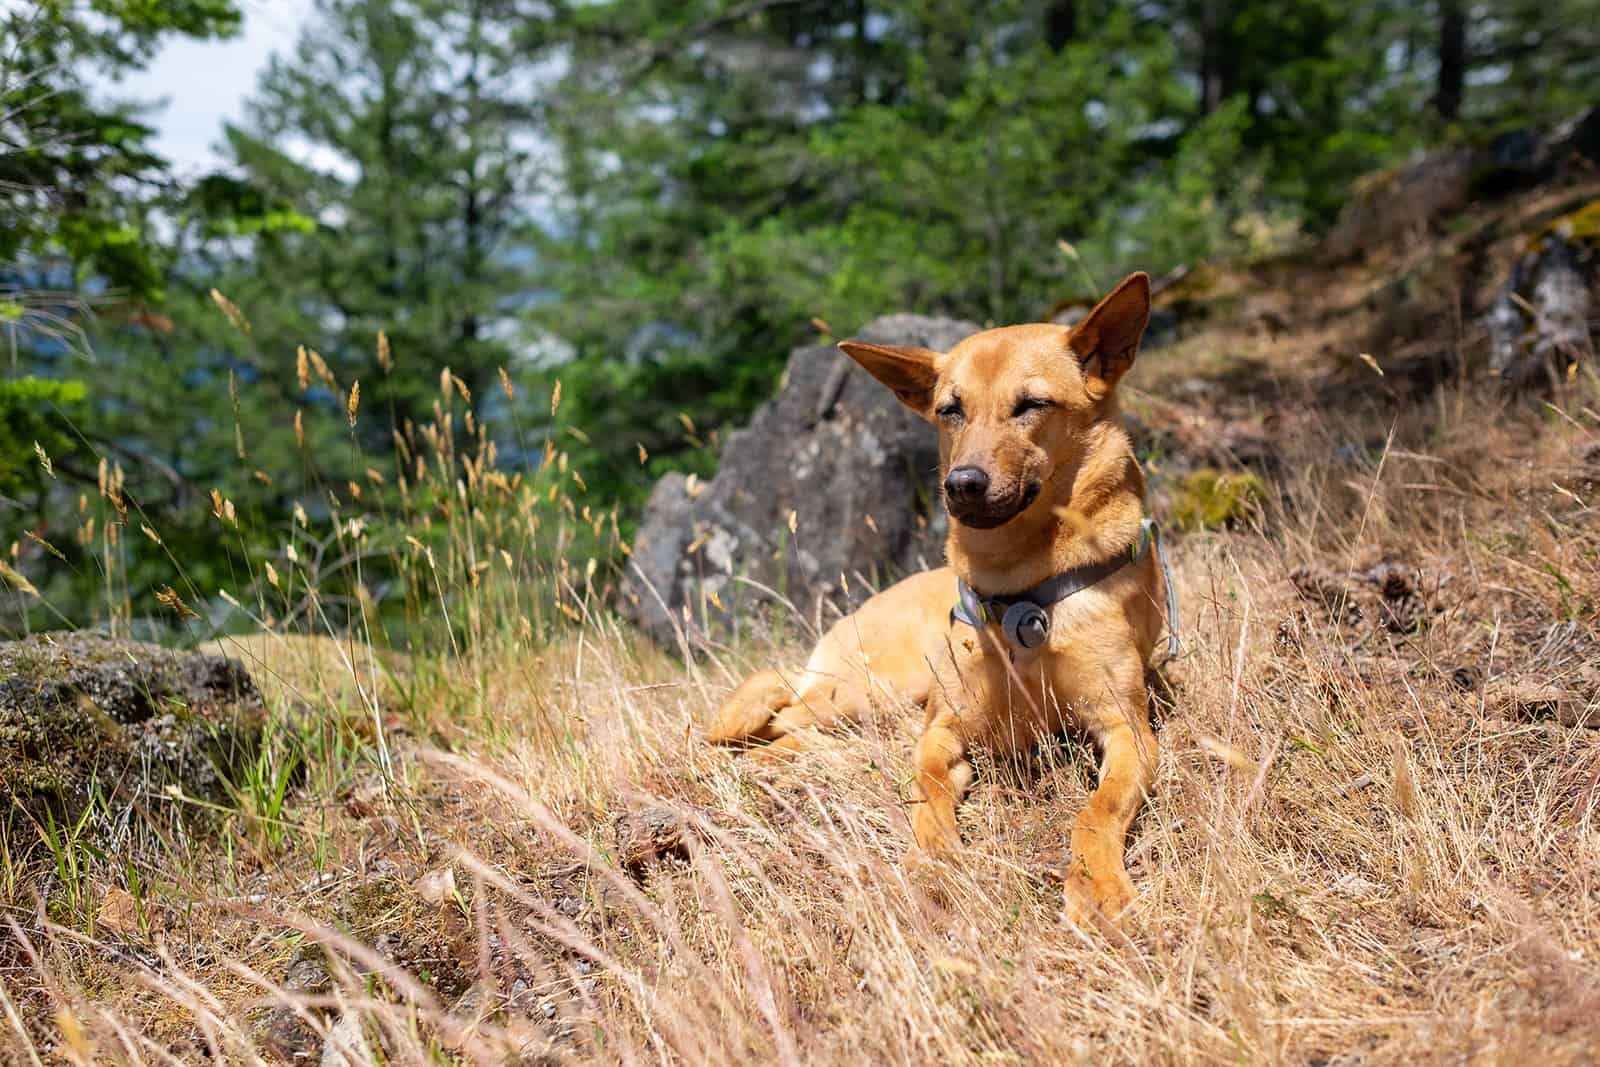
[1015, 405]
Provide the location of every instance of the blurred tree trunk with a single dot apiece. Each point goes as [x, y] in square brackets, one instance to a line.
[1214, 59]
[1538, 325]
[863, 52]
[1452, 58]
[1060, 23]
[472, 222]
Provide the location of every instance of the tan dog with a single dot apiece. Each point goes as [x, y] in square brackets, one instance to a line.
[1041, 483]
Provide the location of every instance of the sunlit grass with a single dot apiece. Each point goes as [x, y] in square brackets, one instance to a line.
[1351, 856]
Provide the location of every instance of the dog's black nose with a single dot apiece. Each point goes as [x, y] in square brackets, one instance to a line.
[966, 484]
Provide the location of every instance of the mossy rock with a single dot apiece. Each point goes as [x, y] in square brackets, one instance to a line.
[81, 713]
[1575, 227]
[1209, 499]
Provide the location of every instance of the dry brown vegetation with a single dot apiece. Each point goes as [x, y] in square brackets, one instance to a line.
[1373, 840]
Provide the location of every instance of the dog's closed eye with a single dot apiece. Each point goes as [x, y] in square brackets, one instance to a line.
[950, 409]
[1030, 404]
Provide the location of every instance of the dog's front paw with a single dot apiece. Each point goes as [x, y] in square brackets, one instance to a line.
[935, 831]
[1091, 901]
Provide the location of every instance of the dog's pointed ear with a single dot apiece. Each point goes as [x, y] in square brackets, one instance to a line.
[907, 370]
[1107, 341]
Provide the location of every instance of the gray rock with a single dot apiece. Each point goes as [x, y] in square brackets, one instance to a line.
[307, 975]
[130, 719]
[1538, 324]
[834, 447]
[347, 1044]
[286, 1033]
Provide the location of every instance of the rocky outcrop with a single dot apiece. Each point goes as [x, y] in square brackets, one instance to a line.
[82, 714]
[1403, 199]
[1408, 199]
[1539, 325]
[832, 484]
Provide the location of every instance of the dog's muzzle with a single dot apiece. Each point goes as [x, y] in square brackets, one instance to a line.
[981, 513]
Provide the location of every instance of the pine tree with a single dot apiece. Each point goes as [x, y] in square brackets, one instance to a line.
[77, 174]
[79, 187]
[1535, 61]
[747, 169]
[382, 181]
[403, 131]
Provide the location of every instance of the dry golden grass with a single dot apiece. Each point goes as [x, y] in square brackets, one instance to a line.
[1349, 859]
[313, 669]
[1364, 847]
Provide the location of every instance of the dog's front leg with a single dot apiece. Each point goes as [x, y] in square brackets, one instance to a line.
[1097, 878]
[943, 775]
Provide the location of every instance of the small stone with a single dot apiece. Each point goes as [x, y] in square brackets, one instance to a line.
[118, 912]
[470, 1005]
[1354, 886]
[646, 837]
[346, 1045]
[306, 975]
[438, 887]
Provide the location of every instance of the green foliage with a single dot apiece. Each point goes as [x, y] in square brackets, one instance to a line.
[653, 202]
[77, 176]
[259, 787]
[1538, 62]
[72, 855]
[958, 194]
[742, 174]
[417, 231]
[224, 206]
[420, 227]
[35, 416]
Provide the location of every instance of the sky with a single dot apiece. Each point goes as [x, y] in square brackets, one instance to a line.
[205, 82]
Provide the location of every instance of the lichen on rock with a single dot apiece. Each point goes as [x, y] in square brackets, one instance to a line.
[82, 713]
[1209, 499]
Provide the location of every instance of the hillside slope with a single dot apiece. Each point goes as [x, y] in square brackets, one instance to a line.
[1373, 838]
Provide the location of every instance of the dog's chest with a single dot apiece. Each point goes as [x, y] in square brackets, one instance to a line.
[1011, 696]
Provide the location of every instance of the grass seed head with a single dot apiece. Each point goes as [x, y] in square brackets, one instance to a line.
[231, 312]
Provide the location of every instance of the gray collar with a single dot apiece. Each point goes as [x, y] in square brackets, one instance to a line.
[1023, 616]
